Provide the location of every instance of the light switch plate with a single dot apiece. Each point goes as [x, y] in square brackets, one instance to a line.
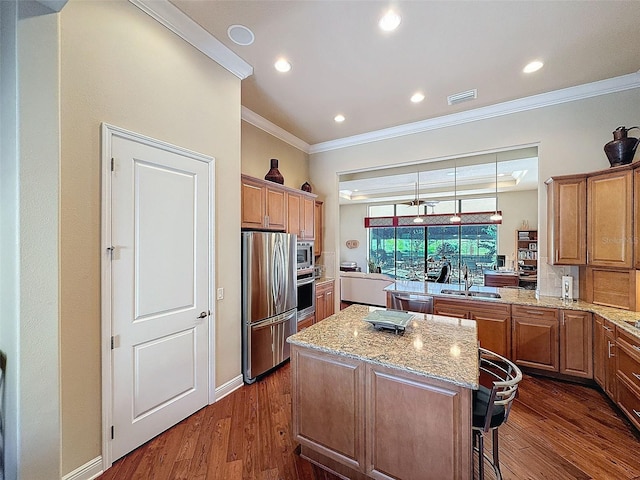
[220, 293]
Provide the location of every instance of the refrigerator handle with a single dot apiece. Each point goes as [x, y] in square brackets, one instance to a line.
[276, 284]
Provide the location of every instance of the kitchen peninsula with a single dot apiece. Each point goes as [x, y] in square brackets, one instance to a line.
[375, 404]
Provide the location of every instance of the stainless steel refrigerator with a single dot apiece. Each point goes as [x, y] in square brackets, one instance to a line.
[269, 300]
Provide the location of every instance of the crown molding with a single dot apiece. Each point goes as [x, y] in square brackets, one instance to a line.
[179, 23]
[262, 123]
[588, 90]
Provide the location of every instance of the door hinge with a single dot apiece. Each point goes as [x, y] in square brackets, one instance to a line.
[112, 432]
[112, 342]
[112, 166]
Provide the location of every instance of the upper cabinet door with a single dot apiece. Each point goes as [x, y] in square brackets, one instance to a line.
[308, 213]
[636, 217]
[609, 219]
[253, 203]
[567, 217]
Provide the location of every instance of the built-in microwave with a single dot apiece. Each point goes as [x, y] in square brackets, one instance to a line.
[304, 256]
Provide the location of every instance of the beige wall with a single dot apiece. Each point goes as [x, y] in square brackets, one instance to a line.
[516, 207]
[37, 364]
[120, 66]
[259, 147]
[570, 138]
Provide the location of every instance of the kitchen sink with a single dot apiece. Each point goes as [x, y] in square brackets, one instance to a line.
[470, 293]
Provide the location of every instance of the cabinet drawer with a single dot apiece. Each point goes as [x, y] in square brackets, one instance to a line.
[627, 364]
[534, 312]
[629, 402]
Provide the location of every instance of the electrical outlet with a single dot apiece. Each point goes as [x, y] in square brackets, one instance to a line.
[220, 293]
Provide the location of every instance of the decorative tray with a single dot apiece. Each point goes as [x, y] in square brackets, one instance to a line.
[395, 320]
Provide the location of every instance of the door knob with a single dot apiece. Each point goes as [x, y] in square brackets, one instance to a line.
[203, 315]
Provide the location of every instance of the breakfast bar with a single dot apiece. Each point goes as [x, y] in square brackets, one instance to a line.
[375, 403]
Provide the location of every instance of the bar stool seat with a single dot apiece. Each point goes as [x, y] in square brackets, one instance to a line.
[491, 406]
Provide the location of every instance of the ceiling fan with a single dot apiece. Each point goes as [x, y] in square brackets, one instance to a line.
[416, 202]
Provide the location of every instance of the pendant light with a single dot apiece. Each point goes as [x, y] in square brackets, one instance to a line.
[496, 216]
[418, 219]
[455, 218]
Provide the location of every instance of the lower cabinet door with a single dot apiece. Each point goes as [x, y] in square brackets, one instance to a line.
[535, 343]
[429, 437]
[328, 410]
[576, 343]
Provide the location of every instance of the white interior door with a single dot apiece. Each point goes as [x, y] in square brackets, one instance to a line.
[160, 290]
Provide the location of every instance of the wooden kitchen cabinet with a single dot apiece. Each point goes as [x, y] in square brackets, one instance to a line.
[493, 321]
[325, 300]
[636, 217]
[628, 375]
[610, 219]
[567, 221]
[319, 223]
[366, 421]
[306, 322]
[263, 206]
[576, 343]
[535, 337]
[300, 215]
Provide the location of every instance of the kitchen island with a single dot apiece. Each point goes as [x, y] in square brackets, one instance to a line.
[376, 404]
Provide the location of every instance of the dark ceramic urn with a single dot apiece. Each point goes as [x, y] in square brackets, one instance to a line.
[621, 149]
[274, 174]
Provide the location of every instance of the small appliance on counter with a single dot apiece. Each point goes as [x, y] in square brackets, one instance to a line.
[349, 267]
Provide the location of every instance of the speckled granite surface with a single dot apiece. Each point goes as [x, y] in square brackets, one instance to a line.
[521, 297]
[432, 345]
[322, 280]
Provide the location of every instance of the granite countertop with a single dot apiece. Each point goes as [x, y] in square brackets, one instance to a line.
[432, 346]
[517, 296]
[324, 279]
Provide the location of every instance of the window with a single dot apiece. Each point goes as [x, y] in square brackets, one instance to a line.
[418, 252]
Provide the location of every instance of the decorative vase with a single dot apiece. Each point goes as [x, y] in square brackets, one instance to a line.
[621, 149]
[306, 187]
[274, 174]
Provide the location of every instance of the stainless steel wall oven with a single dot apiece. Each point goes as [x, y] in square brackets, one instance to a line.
[306, 286]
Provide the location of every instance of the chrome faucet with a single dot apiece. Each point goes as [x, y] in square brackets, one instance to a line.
[468, 281]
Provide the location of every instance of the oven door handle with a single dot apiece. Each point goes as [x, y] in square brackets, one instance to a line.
[305, 281]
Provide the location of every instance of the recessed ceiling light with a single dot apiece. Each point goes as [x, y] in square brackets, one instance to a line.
[240, 34]
[282, 65]
[339, 118]
[533, 66]
[389, 21]
[417, 97]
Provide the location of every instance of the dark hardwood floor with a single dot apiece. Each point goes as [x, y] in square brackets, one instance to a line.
[556, 431]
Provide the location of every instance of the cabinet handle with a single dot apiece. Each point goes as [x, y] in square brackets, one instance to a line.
[637, 348]
[608, 329]
[557, 255]
[636, 412]
[587, 257]
[636, 375]
[609, 347]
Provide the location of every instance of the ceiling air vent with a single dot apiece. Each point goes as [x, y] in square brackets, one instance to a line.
[462, 97]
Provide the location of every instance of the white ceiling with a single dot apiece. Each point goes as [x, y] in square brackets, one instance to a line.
[343, 63]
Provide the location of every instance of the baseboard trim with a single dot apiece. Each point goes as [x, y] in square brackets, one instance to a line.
[228, 387]
[90, 470]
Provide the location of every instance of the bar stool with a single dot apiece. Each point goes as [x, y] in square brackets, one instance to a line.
[491, 406]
